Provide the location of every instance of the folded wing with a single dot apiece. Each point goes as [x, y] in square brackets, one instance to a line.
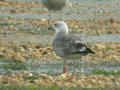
[75, 46]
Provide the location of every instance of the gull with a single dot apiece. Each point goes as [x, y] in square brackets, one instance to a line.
[55, 5]
[66, 45]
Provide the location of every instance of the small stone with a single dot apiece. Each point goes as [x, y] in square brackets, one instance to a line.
[69, 84]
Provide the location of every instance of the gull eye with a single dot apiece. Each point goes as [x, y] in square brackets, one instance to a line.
[55, 24]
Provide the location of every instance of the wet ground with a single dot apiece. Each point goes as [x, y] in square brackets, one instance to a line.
[25, 42]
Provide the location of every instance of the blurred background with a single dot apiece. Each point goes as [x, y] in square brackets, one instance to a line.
[25, 42]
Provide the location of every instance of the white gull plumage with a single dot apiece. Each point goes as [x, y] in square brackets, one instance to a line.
[67, 46]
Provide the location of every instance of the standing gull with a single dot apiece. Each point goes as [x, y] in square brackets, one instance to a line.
[67, 46]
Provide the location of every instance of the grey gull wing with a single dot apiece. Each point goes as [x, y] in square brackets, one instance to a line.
[69, 45]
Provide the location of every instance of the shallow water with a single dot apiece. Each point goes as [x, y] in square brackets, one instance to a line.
[55, 67]
[47, 39]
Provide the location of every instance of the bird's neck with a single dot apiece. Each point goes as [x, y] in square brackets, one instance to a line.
[59, 35]
[64, 32]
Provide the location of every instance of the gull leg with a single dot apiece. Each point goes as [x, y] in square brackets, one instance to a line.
[64, 67]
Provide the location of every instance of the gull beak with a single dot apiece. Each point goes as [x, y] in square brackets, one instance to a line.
[51, 28]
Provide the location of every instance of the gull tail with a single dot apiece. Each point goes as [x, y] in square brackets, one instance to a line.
[84, 50]
[88, 50]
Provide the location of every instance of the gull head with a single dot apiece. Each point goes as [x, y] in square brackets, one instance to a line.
[59, 26]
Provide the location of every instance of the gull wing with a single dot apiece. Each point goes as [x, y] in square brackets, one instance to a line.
[74, 45]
